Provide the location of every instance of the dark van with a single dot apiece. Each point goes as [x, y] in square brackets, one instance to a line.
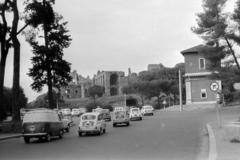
[41, 123]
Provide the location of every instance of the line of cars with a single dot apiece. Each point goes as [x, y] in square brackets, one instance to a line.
[94, 122]
[45, 123]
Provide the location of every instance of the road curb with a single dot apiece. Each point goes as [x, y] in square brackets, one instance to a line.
[212, 155]
[10, 137]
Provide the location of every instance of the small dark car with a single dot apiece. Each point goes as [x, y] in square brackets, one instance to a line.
[42, 123]
[106, 114]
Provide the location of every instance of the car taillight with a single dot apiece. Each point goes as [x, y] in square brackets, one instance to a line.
[96, 127]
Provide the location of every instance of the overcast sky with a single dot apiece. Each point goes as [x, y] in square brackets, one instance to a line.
[114, 35]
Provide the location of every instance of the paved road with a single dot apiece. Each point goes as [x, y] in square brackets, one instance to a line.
[166, 135]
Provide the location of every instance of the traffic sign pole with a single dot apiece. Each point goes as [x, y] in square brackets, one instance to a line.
[215, 87]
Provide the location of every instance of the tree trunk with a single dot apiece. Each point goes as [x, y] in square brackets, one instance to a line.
[4, 52]
[16, 70]
[158, 102]
[2, 74]
[50, 90]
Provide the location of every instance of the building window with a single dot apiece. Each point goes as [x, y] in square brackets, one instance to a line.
[203, 93]
[76, 91]
[201, 63]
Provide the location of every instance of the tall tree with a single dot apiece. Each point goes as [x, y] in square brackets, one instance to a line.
[220, 32]
[141, 88]
[49, 68]
[96, 91]
[8, 38]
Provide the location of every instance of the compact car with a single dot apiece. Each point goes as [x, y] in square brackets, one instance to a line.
[135, 113]
[120, 117]
[91, 123]
[66, 112]
[106, 114]
[147, 110]
[75, 112]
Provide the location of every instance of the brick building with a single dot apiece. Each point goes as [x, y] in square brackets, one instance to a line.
[196, 78]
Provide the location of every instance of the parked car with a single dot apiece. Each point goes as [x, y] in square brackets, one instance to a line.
[135, 113]
[91, 122]
[118, 109]
[106, 114]
[147, 110]
[75, 112]
[66, 112]
[82, 110]
[120, 117]
[67, 122]
[41, 123]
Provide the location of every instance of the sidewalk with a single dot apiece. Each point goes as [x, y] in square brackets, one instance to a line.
[5, 136]
[219, 148]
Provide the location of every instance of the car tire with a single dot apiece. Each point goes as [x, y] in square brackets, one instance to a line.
[61, 134]
[48, 138]
[114, 125]
[100, 131]
[68, 128]
[104, 131]
[140, 118]
[26, 139]
[40, 138]
[80, 134]
[128, 124]
[152, 114]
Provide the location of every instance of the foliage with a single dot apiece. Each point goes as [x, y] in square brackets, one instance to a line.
[11, 127]
[96, 91]
[7, 100]
[220, 31]
[49, 68]
[42, 100]
[128, 90]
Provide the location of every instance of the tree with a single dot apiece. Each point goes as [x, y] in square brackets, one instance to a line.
[141, 88]
[220, 32]
[8, 39]
[96, 91]
[128, 90]
[157, 87]
[49, 68]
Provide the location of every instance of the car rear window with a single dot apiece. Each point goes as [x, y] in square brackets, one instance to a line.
[88, 117]
[135, 109]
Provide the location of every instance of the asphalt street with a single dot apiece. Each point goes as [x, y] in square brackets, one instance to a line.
[166, 136]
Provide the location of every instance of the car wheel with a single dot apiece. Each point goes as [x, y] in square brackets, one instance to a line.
[152, 114]
[48, 138]
[128, 124]
[68, 128]
[100, 131]
[40, 138]
[104, 131]
[114, 125]
[61, 134]
[140, 118]
[26, 139]
[80, 134]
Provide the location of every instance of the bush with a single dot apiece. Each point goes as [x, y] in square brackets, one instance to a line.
[11, 127]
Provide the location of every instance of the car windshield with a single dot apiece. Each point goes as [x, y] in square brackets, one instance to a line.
[75, 110]
[88, 117]
[40, 117]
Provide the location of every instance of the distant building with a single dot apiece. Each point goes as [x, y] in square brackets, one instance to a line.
[196, 78]
[155, 67]
[112, 81]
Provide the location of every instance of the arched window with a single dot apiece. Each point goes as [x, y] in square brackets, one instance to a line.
[113, 79]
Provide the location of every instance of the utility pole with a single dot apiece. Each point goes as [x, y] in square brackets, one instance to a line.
[180, 90]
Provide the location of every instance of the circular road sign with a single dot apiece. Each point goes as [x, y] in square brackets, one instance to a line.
[214, 86]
